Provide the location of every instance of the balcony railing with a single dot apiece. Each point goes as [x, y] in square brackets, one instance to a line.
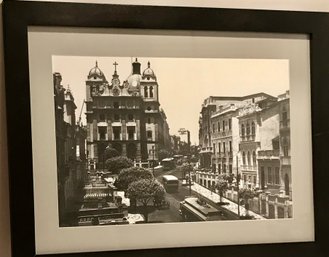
[248, 137]
[268, 154]
[224, 155]
[248, 168]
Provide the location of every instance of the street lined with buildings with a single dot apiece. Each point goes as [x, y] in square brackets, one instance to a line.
[112, 169]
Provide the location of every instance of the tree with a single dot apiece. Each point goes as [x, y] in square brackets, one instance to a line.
[143, 191]
[221, 185]
[246, 194]
[163, 153]
[116, 164]
[110, 152]
[132, 174]
[184, 169]
[229, 177]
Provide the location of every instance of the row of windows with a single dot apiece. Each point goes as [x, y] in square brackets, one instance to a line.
[102, 131]
[246, 158]
[116, 105]
[222, 126]
[249, 179]
[223, 147]
[223, 168]
[272, 177]
[248, 129]
[118, 117]
[148, 91]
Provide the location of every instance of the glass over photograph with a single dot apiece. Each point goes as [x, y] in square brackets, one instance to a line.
[163, 140]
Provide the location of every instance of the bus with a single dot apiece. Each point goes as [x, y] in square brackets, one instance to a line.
[170, 183]
[193, 209]
[168, 164]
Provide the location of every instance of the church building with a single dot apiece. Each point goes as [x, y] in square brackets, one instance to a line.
[125, 115]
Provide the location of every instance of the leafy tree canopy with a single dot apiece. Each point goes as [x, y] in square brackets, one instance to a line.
[185, 167]
[132, 174]
[116, 164]
[110, 152]
[246, 193]
[144, 190]
[222, 184]
[163, 154]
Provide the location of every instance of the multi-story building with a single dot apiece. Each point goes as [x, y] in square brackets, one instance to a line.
[268, 155]
[209, 107]
[250, 136]
[284, 112]
[224, 138]
[220, 136]
[125, 115]
[70, 149]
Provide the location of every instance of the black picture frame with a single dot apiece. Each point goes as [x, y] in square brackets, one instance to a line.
[18, 15]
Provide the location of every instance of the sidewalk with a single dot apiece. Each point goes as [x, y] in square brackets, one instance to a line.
[214, 197]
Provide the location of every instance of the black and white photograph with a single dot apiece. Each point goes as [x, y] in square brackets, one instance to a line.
[163, 140]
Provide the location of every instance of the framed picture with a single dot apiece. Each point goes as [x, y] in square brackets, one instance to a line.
[143, 130]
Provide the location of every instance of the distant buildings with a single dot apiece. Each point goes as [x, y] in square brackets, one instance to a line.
[125, 115]
[249, 136]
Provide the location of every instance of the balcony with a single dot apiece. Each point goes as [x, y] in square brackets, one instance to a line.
[268, 154]
[102, 124]
[249, 168]
[226, 133]
[105, 107]
[248, 137]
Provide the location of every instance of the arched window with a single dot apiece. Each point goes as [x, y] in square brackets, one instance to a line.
[151, 91]
[242, 130]
[248, 128]
[254, 158]
[243, 157]
[253, 128]
[248, 158]
[145, 92]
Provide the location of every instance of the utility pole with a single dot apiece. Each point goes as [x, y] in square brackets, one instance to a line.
[153, 152]
[189, 178]
[238, 183]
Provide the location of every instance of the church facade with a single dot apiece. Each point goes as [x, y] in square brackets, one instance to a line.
[125, 115]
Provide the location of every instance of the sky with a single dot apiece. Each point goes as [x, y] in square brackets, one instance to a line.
[184, 83]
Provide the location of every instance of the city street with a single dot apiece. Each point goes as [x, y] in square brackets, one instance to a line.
[171, 214]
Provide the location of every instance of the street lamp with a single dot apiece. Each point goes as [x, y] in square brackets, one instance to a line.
[237, 184]
[183, 131]
[153, 152]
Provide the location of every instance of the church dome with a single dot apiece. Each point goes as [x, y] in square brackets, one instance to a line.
[135, 78]
[148, 72]
[96, 73]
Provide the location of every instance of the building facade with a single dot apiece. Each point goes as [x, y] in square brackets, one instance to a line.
[285, 159]
[250, 136]
[125, 115]
[70, 150]
[220, 137]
